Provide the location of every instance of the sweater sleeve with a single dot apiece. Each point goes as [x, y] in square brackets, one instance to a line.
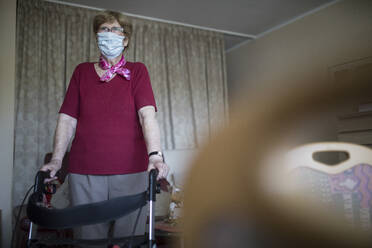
[70, 105]
[142, 91]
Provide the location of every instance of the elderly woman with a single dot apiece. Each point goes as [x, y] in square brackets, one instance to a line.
[110, 107]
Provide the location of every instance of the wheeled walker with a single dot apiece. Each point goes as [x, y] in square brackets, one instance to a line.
[89, 214]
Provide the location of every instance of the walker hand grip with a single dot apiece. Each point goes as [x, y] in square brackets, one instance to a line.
[152, 184]
[39, 180]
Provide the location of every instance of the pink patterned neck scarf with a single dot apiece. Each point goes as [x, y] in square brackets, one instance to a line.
[118, 68]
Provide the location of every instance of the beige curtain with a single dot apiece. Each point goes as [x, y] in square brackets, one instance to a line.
[186, 66]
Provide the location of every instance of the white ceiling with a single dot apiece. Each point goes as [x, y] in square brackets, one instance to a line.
[236, 18]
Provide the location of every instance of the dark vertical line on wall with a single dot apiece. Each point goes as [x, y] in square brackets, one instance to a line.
[163, 63]
[86, 28]
[18, 70]
[50, 83]
[169, 95]
[20, 53]
[207, 88]
[44, 60]
[65, 62]
[133, 44]
[224, 81]
[186, 51]
[23, 37]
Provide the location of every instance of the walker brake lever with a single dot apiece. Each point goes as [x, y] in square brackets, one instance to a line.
[158, 187]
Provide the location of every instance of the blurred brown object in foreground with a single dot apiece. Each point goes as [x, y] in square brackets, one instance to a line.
[226, 203]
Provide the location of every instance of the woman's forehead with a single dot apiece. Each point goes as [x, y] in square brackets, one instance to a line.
[115, 23]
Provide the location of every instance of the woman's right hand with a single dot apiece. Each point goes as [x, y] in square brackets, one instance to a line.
[53, 167]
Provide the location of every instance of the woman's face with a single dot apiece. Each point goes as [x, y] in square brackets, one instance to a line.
[113, 27]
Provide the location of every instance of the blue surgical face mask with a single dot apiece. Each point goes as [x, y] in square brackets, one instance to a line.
[110, 44]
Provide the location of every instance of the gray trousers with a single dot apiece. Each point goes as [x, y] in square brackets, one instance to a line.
[94, 188]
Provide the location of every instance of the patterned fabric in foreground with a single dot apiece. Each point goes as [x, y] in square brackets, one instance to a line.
[349, 192]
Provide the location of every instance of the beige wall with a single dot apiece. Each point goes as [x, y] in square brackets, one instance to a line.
[7, 79]
[305, 48]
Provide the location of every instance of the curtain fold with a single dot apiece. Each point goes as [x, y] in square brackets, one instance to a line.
[186, 66]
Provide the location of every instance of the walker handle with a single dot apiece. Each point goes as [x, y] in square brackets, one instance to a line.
[39, 180]
[152, 184]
